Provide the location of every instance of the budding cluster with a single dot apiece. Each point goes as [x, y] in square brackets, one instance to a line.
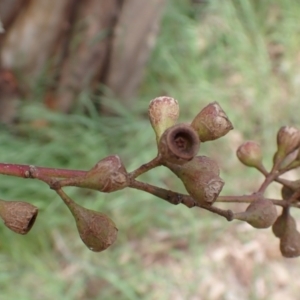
[178, 145]
[286, 230]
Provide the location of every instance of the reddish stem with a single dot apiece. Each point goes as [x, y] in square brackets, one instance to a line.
[24, 171]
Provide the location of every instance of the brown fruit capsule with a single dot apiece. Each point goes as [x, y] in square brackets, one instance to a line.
[260, 214]
[211, 123]
[18, 216]
[201, 178]
[285, 220]
[290, 241]
[178, 144]
[288, 191]
[96, 230]
[108, 175]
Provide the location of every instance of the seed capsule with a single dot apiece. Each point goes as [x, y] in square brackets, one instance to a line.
[285, 228]
[178, 144]
[285, 220]
[18, 216]
[108, 175]
[201, 178]
[260, 214]
[96, 230]
[211, 123]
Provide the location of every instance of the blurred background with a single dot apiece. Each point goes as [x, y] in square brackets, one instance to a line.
[76, 78]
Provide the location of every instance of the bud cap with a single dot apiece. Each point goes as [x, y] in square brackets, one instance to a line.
[260, 214]
[108, 175]
[284, 221]
[288, 140]
[249, 153]
[163, 113]
[96, 230]
[200, 177]
[211, 123]
[18, 216]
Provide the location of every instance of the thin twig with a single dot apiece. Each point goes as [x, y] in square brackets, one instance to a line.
[170, 196]
[155, 162]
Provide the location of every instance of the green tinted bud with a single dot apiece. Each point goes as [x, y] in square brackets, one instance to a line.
[288, 140]
[249, 153]
[163, 113]
[290, 160]
[211, 123]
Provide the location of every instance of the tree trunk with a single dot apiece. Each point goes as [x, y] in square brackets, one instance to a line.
[62, 47]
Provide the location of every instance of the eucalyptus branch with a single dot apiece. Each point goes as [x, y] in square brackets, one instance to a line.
[23, 171]
[178, 145]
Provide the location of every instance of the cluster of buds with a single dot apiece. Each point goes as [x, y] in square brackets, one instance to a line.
[286, 158]
[178, 146]
[96, 230]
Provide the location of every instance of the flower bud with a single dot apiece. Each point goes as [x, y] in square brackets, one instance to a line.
[285, 228]
[285, 220]
[260, 213]
[18, 216]
[288, 140]
[178, 144]
[211, 123]
[96, 230]
[249, 153]
[108, 175]
[201, 178]
[288, 190]
[290, 243]
[163, 113]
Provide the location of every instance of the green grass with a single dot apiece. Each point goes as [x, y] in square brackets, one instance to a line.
[243, 54]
